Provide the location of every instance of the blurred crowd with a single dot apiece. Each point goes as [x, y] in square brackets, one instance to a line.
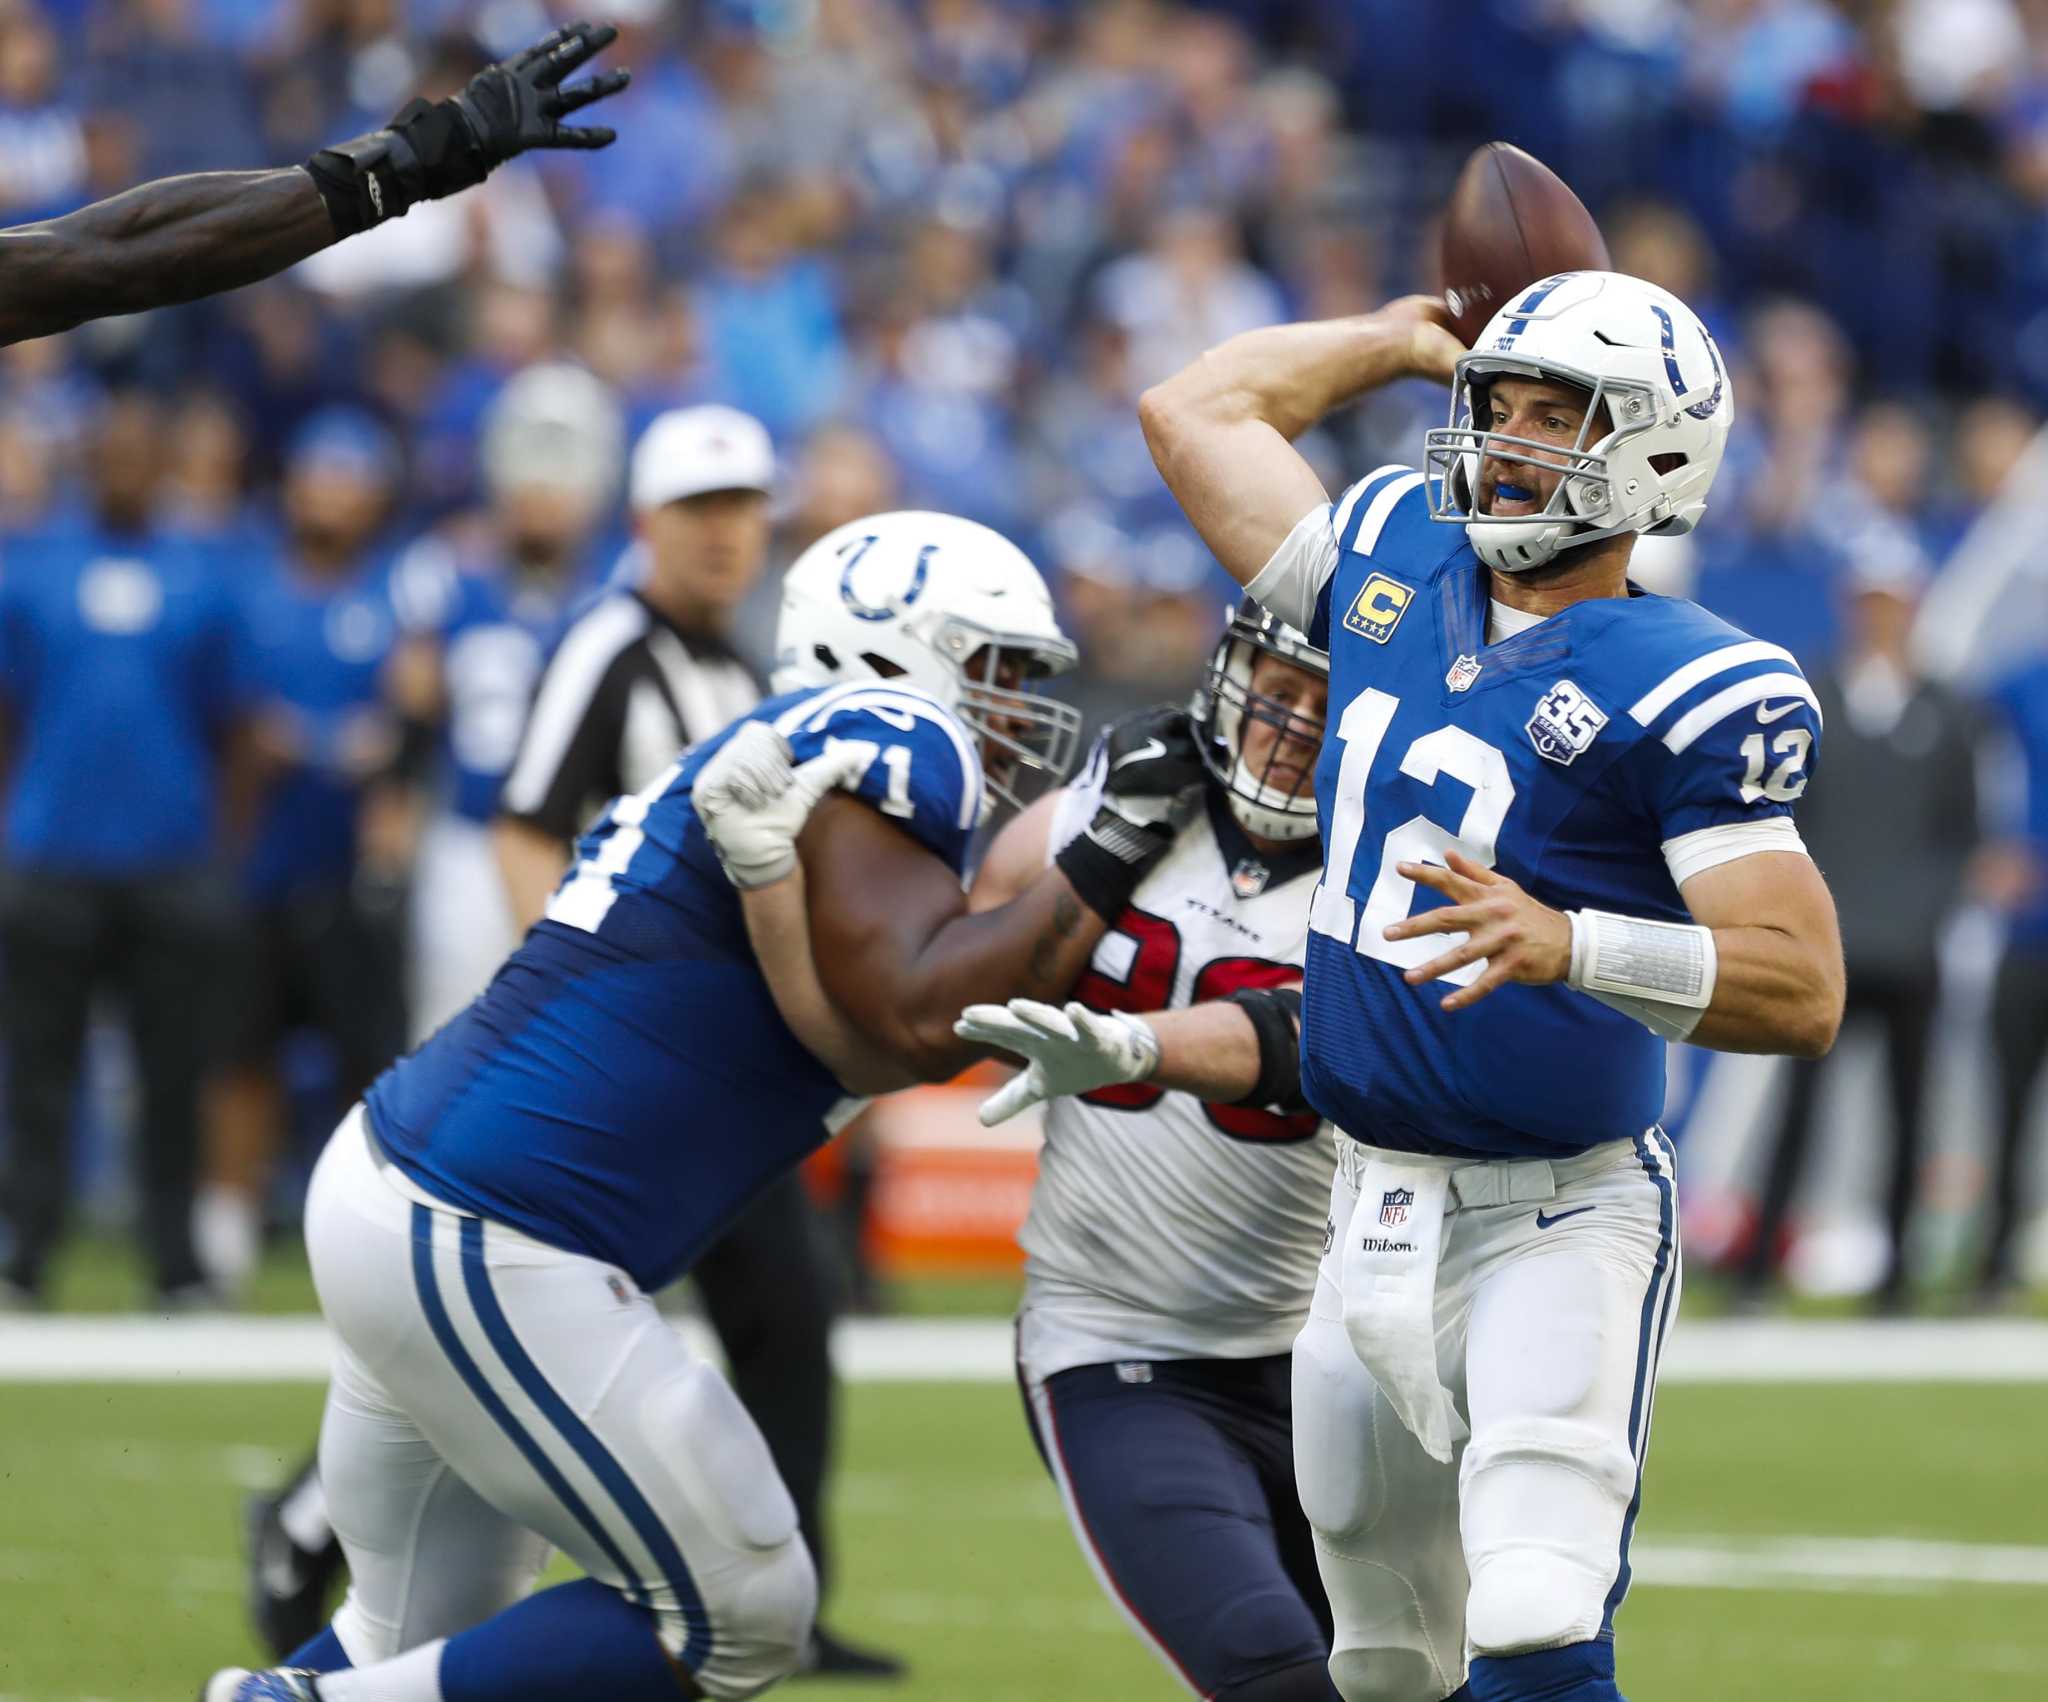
[938, 247]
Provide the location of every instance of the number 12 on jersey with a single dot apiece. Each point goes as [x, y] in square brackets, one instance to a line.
[1449, 751]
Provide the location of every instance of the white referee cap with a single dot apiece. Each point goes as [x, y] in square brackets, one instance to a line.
[689, 451]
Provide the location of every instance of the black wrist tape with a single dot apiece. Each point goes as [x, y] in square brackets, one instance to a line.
[1102, 876]
[427, 151]
[1276, 1019]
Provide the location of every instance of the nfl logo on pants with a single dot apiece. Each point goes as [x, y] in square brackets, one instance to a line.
[1394, 1204]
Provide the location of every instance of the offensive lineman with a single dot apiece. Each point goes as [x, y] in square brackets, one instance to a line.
[1172, 1243]
[1557, 821]
[181, 238]
[485, 1229]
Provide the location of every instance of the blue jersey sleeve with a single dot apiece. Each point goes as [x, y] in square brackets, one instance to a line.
[1728, 741]
[1384, 517]
[925, 772]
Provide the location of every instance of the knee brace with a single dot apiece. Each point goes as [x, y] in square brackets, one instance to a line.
[1543, 1502]
[1334, 1466]
[1385, 1675]
[716, 1460]
[756, 1577]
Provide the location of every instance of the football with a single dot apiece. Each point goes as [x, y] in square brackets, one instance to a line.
[1510, 220]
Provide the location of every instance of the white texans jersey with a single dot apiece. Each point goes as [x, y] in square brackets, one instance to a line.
[1162, 1227]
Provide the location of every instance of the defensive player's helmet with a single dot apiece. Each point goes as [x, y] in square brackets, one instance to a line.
[947, 605]
[1653, 434]
[557, 426]
[1226, 700]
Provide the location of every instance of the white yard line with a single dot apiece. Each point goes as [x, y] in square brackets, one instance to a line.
[1858, 1565]
[894, 1350]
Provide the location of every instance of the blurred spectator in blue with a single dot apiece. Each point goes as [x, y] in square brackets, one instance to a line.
[122, 678]
[953, 440]
[770, 316]
[280, 359]
[185, 105]
[1314, 184]
[1990, 435]
[509, 329]
[42, 136]
[1900, 749]
[637, 334]
[336, 69]
[1187, 290]
[678, 169]
[323, 949]
[206, 476]
[1143, 608]
[28, 474]
[1751, 61]
[2013, 874]
[1768, 562]
[1888, 466]
[552, 452]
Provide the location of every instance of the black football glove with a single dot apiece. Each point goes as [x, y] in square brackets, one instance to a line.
[1151, 768]
[436, 148]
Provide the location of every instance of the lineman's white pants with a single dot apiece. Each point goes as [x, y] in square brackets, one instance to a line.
[1555, 1286]
[492, 1396]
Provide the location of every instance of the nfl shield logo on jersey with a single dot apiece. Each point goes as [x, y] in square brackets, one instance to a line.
[1394, 1204]
[1463, 672]
[1565, 723]
[1249, 878]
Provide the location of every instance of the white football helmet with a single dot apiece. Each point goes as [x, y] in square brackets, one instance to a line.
[1225, 702]
[945, 604]
[558, 426]
[1654, 430]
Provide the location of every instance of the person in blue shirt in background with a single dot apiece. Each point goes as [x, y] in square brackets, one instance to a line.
[122, 700]
[327, 619]
[552, 452]
[2013, 874]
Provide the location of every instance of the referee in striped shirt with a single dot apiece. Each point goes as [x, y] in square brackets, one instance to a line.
[643, 672]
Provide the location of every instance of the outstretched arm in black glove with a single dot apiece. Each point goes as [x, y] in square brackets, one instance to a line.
[184, 237]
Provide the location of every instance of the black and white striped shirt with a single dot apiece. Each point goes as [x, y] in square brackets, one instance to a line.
[624, 692]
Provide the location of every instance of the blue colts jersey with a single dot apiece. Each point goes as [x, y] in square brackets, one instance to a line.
[1581, 757]
[625, 1084]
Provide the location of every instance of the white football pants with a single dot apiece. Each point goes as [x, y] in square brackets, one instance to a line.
[1555, 1286]
[492, 1396]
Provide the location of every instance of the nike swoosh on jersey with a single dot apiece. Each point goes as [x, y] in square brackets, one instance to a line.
[1543, 1222]
[1144, 753]
[1767, 713]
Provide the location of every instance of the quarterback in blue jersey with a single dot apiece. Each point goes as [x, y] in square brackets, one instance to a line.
[486, 1229]
[1557, 833]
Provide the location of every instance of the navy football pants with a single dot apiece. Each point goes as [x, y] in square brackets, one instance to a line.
[1178, 1478]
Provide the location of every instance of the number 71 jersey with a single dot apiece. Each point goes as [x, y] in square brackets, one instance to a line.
[1598, 758]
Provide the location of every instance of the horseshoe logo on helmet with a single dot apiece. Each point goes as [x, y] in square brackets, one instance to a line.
[865, 611]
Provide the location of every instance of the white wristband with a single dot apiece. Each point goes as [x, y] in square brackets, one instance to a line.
[1660, 973]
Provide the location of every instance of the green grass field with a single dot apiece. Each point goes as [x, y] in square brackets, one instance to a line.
[120, 1574]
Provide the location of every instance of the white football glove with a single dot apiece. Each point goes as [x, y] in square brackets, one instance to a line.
[753, 800]
[1065, 1052]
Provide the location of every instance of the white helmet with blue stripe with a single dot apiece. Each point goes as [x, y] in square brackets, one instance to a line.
[1654, 431]
[946, 604]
